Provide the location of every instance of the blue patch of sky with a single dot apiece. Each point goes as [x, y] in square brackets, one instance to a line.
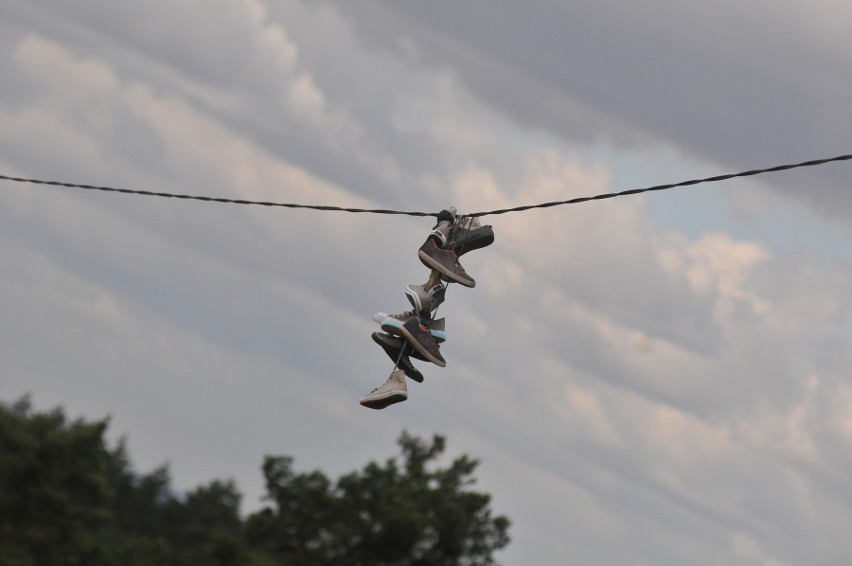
[777, 222]
[782, 225]
[797, 230]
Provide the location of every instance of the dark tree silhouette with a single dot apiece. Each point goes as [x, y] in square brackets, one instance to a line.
[66, 498]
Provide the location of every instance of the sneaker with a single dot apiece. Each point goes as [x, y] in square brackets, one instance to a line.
[474, 239]
[443, 228]
[420, 337]
[393, 391]
[444, 261]
[423, 300]
[392, 324]
[393, 347]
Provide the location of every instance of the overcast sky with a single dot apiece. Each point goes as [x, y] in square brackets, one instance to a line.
[654, 379]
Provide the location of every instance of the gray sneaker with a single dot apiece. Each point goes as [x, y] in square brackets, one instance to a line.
[445, 261]
[423, 300]
[420, 337]
[392, 391]
[392, 324]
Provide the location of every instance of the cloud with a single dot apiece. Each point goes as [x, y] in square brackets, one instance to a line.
[636, 393]
[739, 86]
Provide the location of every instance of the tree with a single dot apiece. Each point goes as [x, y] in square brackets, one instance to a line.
[54, 497]
[67, 498]
[412, 513]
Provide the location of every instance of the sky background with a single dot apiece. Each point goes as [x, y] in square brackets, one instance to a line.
[654, 379]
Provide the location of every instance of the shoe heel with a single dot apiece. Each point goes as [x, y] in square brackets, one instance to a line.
[413, 298]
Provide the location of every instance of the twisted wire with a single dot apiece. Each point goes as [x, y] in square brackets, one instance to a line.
[714, 179]
[213, 199]
[578, 200]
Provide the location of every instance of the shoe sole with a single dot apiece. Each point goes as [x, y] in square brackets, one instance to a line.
[428, 261]
[392, 397]
[393, 326]
[413, 341]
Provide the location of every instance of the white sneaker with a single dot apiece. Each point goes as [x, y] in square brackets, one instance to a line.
[393, 391]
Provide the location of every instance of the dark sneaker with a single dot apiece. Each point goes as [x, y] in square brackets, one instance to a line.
[423, 300]
[445, 261]
[392, 391]
[393, 347]
[396, 343]
[475, 239]
[420, 337]
[392, 324]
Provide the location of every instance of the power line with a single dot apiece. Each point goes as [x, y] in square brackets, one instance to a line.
[212, 199]
[714, 179]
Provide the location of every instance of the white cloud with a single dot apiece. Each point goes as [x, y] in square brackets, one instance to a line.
[584, 406]
[73, 84]
[747, 548]
[655, 392]
[718, 266]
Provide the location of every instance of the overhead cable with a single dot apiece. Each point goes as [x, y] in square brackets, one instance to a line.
[715, 179]
[578, 200]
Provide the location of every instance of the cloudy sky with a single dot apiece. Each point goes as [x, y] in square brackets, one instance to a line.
[654, 379]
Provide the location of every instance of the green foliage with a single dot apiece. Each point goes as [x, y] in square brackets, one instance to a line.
[53, 491]
[412, 512]
[66, 498]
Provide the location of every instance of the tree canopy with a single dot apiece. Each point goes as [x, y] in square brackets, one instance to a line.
[66, 497]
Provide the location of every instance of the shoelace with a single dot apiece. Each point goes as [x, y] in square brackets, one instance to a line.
[402, 315]
[388, 380]
[380, 386]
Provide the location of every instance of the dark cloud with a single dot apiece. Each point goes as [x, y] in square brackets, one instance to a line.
[740, 86]
[635, 383]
